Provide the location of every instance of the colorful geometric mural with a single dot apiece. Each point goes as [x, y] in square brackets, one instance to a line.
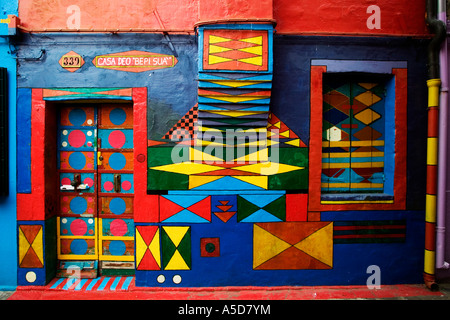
[209, 181]
[229, 189]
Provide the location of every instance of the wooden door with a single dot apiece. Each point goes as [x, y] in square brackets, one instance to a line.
[95, 215]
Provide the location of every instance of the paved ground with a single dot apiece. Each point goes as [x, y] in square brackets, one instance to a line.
[123, 288]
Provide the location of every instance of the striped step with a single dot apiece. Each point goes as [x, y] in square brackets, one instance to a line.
[102, 283]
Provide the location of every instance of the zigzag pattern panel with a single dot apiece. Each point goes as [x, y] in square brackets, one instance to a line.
[235, 50]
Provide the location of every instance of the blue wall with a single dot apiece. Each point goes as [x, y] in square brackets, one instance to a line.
[8, 237]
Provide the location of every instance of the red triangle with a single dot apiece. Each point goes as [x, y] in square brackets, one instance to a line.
[151, 143]
[227, 172]
[292, 259]
[168, 208]
[148, 262]
[30, 232]
[202, 208]
[224, 216]
[292, 232]
[147, 233]
[31, 260]
[224, 208]
[224, 202]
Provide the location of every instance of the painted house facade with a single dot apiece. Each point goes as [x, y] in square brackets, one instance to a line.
[238, 143]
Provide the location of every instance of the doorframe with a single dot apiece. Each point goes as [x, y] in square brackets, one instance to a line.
[39, 204]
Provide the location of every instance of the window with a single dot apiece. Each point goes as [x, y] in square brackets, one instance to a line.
[354, 145]
[357, 138]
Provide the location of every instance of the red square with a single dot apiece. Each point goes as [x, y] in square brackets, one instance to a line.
[296, 207]
[209, 247]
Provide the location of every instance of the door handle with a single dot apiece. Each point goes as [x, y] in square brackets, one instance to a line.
[117, 182]
[99, 158]
[76, 180]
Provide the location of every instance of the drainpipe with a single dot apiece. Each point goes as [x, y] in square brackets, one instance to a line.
[442, 152]
[436, 27]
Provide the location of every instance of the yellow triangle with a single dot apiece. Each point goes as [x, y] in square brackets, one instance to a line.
[255, 40]
[154, 248]
[198, 155]
[319, 245]
[285, 134]
[186, 168]
[261, 155]
[176, 234]
[255, 50]
[197, 181]
[217, 39]
[259, 181]
[268, 168]
[176, 262]
[216, 49]
[215, 59]
[23, 246]
[257, 61]
[141, 247]
[278, 124]
[266, 245]
[295, 142]
[38, 246]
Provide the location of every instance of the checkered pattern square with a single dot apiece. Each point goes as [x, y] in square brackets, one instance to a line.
[185, 127]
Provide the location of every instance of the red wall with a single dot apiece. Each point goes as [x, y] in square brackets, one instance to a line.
[349, 16]
[396, 17]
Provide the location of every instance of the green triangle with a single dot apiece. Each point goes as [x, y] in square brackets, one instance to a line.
[184, 248]
[245, 208]
[277, 208]
[167, 248]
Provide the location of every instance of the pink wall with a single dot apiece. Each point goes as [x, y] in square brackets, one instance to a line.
[308, 16]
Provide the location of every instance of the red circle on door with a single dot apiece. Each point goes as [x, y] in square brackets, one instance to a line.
[116, 139]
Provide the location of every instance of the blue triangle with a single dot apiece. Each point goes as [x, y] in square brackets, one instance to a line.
[185, 216]
[261, 200]
[261, 216]
[185, 201]
[228, 183]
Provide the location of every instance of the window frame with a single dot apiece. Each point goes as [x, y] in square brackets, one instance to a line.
[398, 70]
